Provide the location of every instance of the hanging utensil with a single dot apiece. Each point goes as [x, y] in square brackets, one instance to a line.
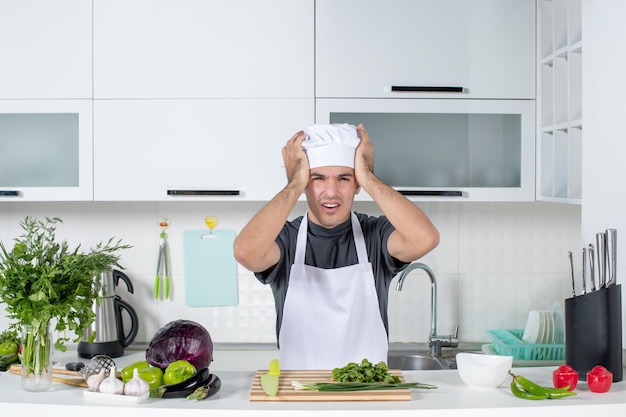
[611, 257]
[163, 263]
[601, 256]
[571, 271]
[592, 269]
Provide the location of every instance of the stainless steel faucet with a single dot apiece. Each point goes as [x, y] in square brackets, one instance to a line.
[435, 341]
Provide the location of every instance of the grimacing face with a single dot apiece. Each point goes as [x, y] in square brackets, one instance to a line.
[330, 194]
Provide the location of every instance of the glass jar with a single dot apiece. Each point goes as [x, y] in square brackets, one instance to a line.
[36, 357]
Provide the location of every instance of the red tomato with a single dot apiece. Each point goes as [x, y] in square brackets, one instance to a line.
[563, 376]
[599, 379]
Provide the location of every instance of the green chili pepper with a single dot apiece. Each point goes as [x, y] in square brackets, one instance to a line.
[515, 389]
[524, 388]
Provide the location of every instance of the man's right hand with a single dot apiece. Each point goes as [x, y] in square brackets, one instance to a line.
[296, 161]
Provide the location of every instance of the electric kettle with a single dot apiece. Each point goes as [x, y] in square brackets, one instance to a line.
[108, 327]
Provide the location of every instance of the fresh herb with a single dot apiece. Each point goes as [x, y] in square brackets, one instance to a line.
[42, 280]
[364, 372]
[358, 386]
[9, 336]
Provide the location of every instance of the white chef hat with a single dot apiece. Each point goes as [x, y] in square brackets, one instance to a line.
[331, 144]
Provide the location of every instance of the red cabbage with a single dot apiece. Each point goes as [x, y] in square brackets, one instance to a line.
[180, 340]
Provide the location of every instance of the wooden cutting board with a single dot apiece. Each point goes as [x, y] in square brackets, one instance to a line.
[66, 378]
[286, 392]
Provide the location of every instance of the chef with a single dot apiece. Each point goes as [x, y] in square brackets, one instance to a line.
[330, 268]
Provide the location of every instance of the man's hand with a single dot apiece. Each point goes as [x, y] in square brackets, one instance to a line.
[296, 161]
[415, 235]
[364, 158]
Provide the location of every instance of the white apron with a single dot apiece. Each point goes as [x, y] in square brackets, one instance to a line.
[331, 316]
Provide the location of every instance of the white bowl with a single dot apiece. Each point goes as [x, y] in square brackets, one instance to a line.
[483, 371]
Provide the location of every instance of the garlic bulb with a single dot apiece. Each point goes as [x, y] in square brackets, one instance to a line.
[112, 385]
[94, 381]
[136, 386]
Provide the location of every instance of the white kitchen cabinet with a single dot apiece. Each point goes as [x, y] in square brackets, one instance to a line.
[446, 150]
[46, 150]
[203, 49]
[559, 104]
[368, 49]
[191, 150]
[45, 49]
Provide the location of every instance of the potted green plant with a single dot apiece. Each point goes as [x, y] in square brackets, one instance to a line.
[46, 285]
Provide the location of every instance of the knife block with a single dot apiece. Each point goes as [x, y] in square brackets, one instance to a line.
[593, 331]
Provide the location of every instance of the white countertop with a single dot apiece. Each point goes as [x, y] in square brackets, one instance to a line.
[451, 398]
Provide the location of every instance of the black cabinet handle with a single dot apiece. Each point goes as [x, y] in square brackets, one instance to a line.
[202, 192]
[433, 193]
[425, 89]
[9, 193]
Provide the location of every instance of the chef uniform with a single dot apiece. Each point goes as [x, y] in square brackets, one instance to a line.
[331, 316]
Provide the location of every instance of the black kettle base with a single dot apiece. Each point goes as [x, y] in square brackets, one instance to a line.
[89, 350]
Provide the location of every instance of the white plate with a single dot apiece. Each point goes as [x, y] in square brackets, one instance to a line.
[543, 328]
[533, 328]
[546, 328]
[115, 398]
[559, 323]
[550, 317]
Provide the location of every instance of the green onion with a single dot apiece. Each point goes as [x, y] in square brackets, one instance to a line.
[358, 386]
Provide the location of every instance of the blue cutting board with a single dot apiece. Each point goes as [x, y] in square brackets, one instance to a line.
[210, 268]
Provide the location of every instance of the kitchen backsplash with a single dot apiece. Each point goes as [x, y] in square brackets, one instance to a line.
[495, 262]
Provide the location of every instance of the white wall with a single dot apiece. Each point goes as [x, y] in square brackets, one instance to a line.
[604, 146]
[495, 262]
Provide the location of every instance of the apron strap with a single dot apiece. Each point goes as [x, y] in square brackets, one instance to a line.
[359, 240]
[357, 231]
[301, 241]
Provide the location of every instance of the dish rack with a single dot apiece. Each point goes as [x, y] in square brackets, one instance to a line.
[509, 343]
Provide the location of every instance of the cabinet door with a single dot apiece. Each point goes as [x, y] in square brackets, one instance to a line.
[46, 150]
[452, 150]
[484, 46]
[203, 49]
[45, 49]
[195, 149]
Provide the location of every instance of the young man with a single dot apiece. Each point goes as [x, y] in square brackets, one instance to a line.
[330, 269]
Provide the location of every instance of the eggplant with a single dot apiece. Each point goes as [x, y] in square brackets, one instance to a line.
[7, 360]
[208, 390]
[183, 389]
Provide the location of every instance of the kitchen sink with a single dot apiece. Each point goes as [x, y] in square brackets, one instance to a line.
[417, 361]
